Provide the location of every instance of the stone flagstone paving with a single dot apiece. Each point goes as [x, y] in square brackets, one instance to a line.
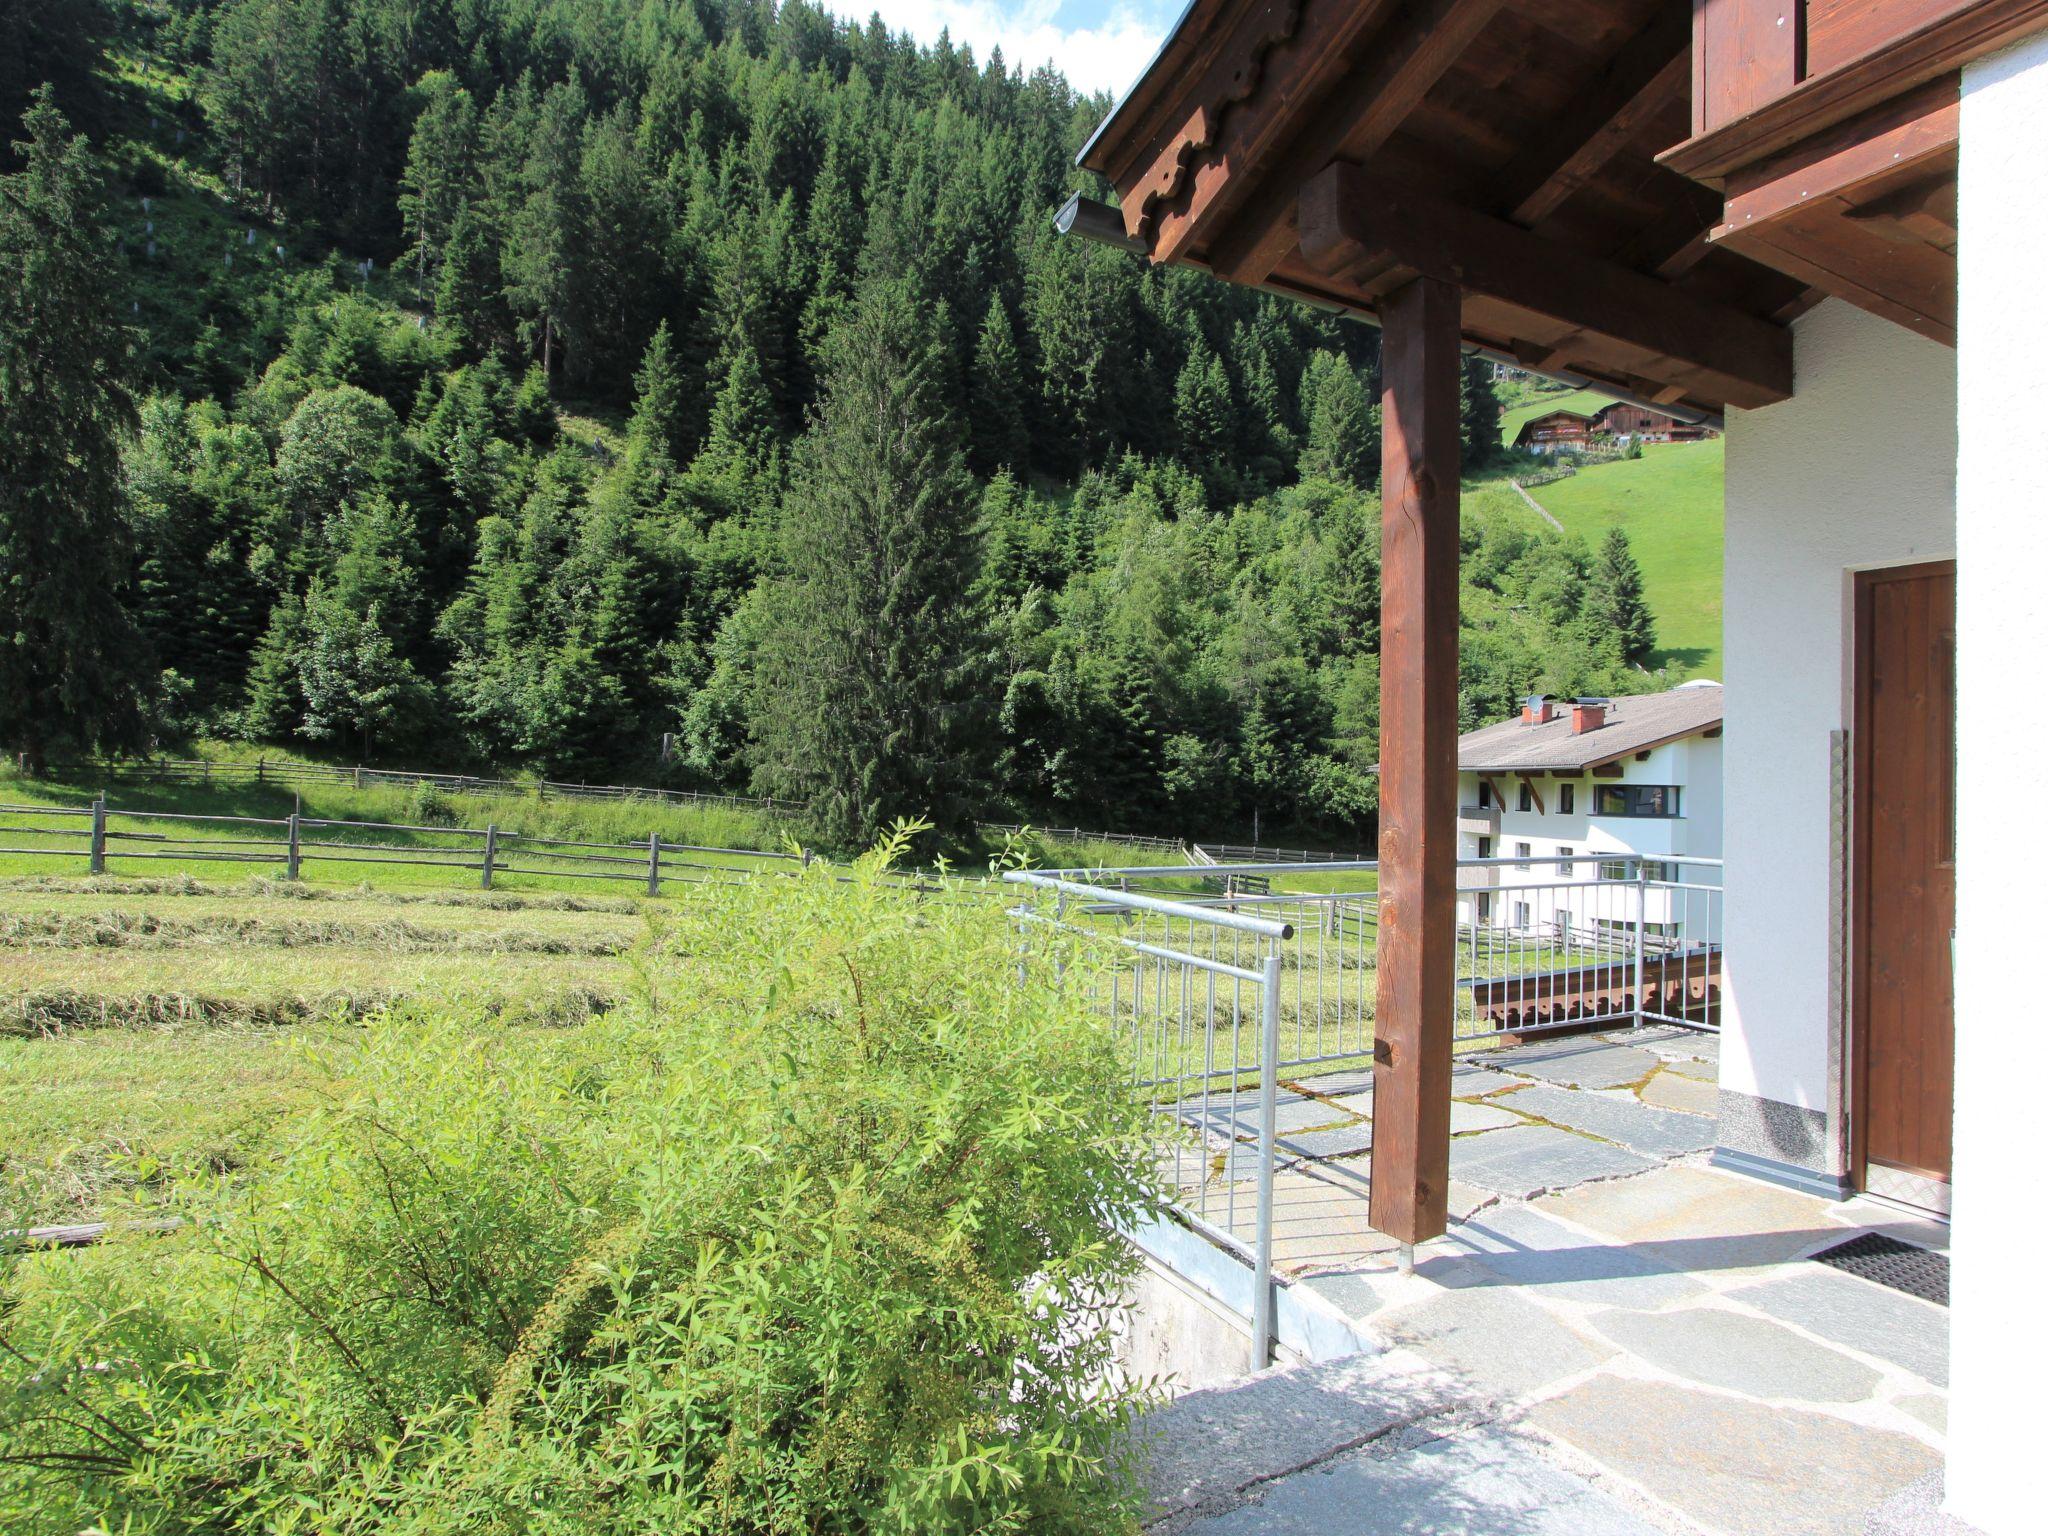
[1613, 1336]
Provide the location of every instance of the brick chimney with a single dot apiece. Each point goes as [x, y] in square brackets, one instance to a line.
[1588, 715]
[1537, 710]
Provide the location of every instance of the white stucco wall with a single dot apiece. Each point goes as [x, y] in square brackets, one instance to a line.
[1856, 471]
[1999, 1339]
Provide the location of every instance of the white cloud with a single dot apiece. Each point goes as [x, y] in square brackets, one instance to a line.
[1105, 56]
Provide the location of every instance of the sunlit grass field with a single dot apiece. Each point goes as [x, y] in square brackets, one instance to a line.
[1669, 504]
[157, 1027]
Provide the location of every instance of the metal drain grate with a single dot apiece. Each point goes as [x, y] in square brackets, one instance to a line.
[1916, 1271]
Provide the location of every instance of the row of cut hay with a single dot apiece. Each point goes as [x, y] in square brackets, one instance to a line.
[151, 930]
[58, 1011]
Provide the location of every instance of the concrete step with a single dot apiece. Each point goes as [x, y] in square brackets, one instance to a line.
[1206, 1449]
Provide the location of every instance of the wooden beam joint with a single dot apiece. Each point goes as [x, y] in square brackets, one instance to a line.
[1350, 217]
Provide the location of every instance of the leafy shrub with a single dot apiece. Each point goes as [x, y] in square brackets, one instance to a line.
[815, 1238]
[433, 806]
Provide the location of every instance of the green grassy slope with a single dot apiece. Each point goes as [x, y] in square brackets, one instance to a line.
[1669, 504]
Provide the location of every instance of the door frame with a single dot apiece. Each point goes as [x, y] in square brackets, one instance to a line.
[1856, 1085]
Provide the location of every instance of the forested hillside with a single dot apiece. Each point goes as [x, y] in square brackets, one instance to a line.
[525, 382]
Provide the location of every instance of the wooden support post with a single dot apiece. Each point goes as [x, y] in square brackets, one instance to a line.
[490, 851]
[654, 863]
[291, 844]
[99, 833]
[1420, 365]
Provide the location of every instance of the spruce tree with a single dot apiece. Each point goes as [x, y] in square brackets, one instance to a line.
[1615, 608]
[870, 697]
[741, 451]
[658, 422]
[1478, 414]
[274, 703]
[440, 171]
[71, 662]
[1342, 438]
[1000, 438]
[469, 301]
[1205, 420]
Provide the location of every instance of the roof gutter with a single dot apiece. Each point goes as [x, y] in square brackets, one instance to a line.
[1094, 220]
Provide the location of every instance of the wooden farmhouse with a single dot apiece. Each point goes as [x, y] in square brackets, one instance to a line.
[1817, 225]
[1555, 432]
[1622, 423]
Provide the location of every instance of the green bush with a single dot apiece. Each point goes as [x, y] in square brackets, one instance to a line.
[814, 1238]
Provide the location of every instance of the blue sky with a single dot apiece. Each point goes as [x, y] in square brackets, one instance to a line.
[1100, 45]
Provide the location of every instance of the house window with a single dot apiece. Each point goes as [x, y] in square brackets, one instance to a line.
[1625, 869]
[1523, 799]
[1486, 848]
[1485, 794]
[1486, 908]
[1567, 798]
[1521, 914]
[1564, 860]
[1522, 851]
[1635, 800]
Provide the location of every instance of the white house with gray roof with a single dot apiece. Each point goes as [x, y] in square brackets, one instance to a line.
[1598, 803]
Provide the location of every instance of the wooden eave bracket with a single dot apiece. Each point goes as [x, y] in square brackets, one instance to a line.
[1921, 128]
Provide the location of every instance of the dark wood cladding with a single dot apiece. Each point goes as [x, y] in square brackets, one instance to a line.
[1840, 32]
[1745, 54]
[1419, 365]
[1947, 36]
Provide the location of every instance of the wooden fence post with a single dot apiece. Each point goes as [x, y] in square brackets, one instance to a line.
[259, 772]
[490, 851]
[291, 845]
[359, 775]
[99, 833]
[654, 863]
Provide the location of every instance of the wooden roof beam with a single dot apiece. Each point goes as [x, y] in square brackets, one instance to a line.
[1350, 216]
[1413, 50]
[1647, 72]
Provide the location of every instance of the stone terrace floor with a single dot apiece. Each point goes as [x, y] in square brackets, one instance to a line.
[1613, 1336]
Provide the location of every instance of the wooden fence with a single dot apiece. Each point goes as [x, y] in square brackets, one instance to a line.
[168, 770]
[98, 836]
[287, 774]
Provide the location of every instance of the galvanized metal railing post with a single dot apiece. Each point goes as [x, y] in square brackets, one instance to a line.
[291, 846]
[490, 851]
[1642, 932]
[1269, 1097]
[99, 833]
[1059, 913]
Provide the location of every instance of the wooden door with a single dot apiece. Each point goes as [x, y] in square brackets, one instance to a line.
[1902, 1093]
